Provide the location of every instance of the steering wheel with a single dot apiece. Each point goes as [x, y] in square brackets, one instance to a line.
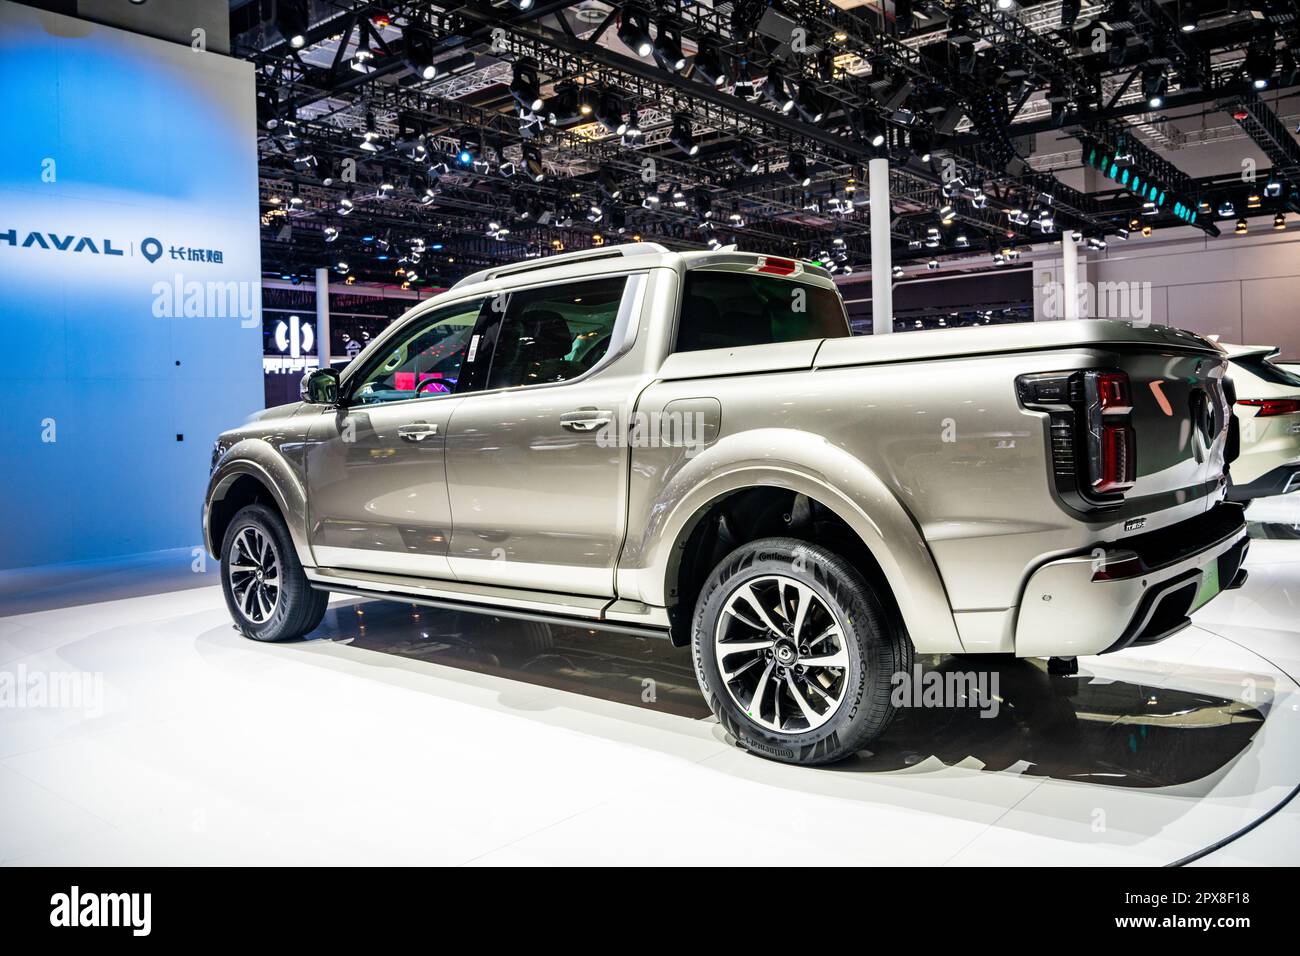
[436, 385]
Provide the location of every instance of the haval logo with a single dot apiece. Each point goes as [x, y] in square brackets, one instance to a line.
[295, 337]
[55, 243]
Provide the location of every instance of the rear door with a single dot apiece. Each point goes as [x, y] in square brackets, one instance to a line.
[537, 472]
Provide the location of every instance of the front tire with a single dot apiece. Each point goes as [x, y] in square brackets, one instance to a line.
[795, 653]
[266, 590]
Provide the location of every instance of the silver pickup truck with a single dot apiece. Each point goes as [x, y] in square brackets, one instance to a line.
[692, 445]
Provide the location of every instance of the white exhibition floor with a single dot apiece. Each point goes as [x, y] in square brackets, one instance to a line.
[395, 737]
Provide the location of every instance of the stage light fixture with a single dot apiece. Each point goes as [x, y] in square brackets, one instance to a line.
[708, 65]
[532, 161]
[1188, 18]
[1070, 13]
[1154, 85]
[809, 102]
[743, 157]
[682, 135]
[634, 31]
[775, 90]
[1279, 221]
[667, 47]
[798, 169]
[526, 88]
[291, 21]
[418, 53]
[610, 113]
[1242, 227]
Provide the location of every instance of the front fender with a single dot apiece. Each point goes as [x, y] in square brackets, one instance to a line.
[259, 459]
[806, 464]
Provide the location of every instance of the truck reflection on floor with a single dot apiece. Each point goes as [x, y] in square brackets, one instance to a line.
[1103, 732]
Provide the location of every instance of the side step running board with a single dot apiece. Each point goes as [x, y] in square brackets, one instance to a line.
[560, 620]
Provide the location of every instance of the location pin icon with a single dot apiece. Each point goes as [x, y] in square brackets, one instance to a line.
[151, 249]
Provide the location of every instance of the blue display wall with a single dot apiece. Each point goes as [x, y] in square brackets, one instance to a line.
[130, 326]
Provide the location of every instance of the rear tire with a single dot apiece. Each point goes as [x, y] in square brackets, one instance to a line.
[809, 649]
[266, 590]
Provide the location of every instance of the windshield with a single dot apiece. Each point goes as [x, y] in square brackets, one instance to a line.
[727, 309]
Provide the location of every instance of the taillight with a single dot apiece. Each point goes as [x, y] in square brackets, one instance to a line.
[1118, 465]
[1112, 444]
[1113, 393]
[1269, 407]
[1093, 444]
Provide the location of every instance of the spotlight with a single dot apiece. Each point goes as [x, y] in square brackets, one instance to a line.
[798, 169]
[1154, 85]
[1188, 19]
[465, 156]
[1279, 221]
[1261, 60]
[682, 136]
[418, 53]
[1070, 13]
[668, 48]
[291, 21]
[371, 141]
[808, 101]
[331, 233]
[1226, 208]
[525, 88]
[633, 130]
[873, 131]
[1273, 188]
[1242, 227]
[533, 162]
[563, 108]
[743, 157]
[775, 90]
[744, 85]
[346, 205]
[634, 31]
[609, 113]
[708, 64]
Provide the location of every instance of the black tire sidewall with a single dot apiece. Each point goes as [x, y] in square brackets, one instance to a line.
[864, 627]
[285, 622]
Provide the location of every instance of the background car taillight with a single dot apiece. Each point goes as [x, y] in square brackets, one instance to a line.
[1093, 444]
[1269, 407]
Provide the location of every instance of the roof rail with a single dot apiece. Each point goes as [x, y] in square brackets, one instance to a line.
[627, 249]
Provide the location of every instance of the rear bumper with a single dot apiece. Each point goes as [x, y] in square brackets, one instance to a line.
[1132, 592]
[1280, 481]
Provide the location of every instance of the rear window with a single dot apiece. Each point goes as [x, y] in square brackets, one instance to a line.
[727, 309]
[1269, 372]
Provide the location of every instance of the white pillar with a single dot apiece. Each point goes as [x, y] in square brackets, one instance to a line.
[323, 317]
[1070, 274]
[882, 271]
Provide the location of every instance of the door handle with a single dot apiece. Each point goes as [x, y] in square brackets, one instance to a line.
[416, 431]
[585, 419]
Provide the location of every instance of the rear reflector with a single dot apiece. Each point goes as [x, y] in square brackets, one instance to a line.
[1268, 407]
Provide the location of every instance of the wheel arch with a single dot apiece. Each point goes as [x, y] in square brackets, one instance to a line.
[243, 479]
[888, 544]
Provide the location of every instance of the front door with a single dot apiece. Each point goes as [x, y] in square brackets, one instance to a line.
[375, 466]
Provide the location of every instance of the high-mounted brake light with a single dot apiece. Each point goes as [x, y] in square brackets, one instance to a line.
[1269, 407]
[771, 265]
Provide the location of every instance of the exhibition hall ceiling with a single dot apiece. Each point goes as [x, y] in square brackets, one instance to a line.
[415, 142]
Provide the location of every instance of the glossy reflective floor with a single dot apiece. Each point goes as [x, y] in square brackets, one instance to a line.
[406, 735]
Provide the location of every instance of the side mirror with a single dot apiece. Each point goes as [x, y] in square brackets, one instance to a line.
[320, 386]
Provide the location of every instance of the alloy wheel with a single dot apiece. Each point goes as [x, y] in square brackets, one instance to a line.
[781, 652]
[254, 573]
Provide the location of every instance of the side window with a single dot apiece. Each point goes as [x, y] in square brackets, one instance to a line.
[555, 333]
[729, 309]
[423, 362]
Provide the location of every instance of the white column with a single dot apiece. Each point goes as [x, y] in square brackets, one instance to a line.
[323, 316]
[1070, 274]
[882, 271]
